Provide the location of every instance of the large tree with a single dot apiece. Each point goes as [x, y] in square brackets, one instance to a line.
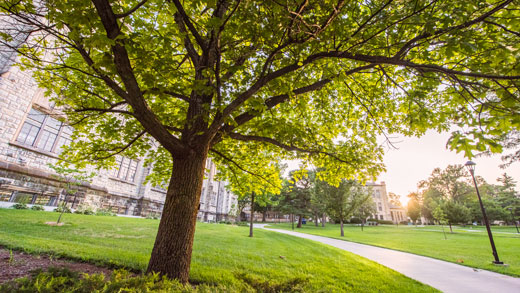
[179, 81]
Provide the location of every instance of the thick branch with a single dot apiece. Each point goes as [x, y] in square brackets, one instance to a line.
[290, 147]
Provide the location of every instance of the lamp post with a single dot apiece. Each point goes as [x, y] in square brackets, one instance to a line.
[471, 167]
[513, 217]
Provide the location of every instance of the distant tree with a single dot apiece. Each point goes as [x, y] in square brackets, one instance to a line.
[296, 194]
[493, 210]
[448, 184]
[345, 199]
[394, 199]
[365, 210]
[456, 213]
[414, 207]
[440, 216]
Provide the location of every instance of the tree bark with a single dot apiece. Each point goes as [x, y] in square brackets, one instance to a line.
[362, 224]
[252, 214]
[264, 216]
[300, 217]
[341, 225]
[323, 220]
[171, 254]
[451, 230]
[316, 220]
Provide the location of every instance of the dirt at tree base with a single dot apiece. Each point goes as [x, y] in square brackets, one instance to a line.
[20, 264]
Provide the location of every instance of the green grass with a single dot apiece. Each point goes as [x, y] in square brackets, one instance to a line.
[471, 247]
[222, 254]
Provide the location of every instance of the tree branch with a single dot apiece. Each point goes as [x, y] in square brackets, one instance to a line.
[121, 15]
[291, 147]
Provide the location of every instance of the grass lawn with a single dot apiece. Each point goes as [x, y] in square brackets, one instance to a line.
[469, 244]
[222, 254]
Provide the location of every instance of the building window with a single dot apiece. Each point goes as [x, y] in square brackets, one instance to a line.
[5, 195]
[125, 169]
[379, 206]
[380, 217]
[44, 132]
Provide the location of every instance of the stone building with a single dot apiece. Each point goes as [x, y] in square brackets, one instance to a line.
[31, 137]
[380, 197]
[398, 214]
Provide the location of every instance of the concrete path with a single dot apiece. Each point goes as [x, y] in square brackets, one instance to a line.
[445, 276]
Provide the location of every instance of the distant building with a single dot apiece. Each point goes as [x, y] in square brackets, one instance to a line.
[398, 214]
[380, 198]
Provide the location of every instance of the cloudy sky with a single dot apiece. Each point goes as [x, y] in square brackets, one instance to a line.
[415, 159]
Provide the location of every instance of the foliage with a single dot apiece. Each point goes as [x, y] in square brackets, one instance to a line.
[20, 206]
[153, 216]
[85, 210]
[37, 208]
[394, 199]
[413, 208]
[105, 212]
[119, 242]
[297, 194]
[63, 208]
[451, 190]
[64, 280]
[456, 213]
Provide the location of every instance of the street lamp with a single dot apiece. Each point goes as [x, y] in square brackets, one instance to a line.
[513, 217]
[471, 167]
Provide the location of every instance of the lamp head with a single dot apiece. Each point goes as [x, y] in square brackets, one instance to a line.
[471, 166]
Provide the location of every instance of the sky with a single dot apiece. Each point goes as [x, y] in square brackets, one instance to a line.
[415, 159]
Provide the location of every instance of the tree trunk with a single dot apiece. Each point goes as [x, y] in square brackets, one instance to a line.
[323, 220]
[341, 225]
[252, 214]
[451, 230]
[171, 254]
[264, 213]
[300, 217]
[362, 224]
[316, 220]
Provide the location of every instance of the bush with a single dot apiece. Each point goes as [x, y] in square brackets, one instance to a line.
[105, 212]
[84, 210]
[385, 222]
[355, 221]
[403, 223]
[65, 209]
[64, 280]
[20, 206]
[37, 208]
[242, 223]
[153, 216]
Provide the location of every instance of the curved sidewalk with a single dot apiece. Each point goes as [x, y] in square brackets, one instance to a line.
[445, 276]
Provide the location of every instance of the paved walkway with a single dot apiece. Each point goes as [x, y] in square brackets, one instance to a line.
[445, 276]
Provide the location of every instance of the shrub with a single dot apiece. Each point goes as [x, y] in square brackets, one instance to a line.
[84, 210]
[64, 280]
[385, 222]
[153, 216]
[65, 209]
[105, 212]
[403, 222]
[355, 221]
[37, 208]
[20, 206]
[242, 223]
